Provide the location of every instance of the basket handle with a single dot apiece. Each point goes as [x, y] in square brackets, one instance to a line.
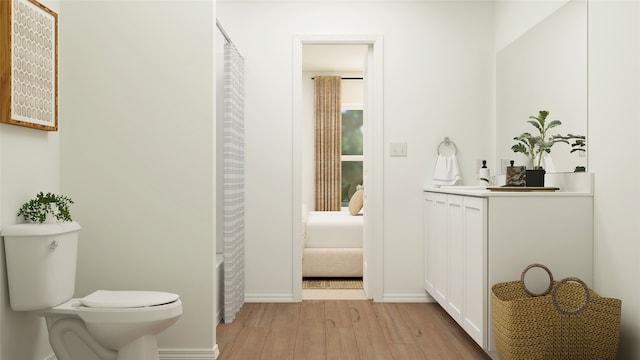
[524, 286]
[554, 296]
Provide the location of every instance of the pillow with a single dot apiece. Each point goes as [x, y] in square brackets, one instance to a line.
[356, 202]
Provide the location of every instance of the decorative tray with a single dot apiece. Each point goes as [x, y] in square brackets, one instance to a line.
[523, 188]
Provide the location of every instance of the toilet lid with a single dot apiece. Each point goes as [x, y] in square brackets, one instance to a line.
[127, 299]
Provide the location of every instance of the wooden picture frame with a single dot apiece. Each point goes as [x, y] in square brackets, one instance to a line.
[28, 65]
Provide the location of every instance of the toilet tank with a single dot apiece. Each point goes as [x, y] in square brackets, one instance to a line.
[41, 264]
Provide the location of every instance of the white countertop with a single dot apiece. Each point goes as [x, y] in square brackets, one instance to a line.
[569, 184]
[474, 191]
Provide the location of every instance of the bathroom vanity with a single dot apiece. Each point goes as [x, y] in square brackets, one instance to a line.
[474, 238]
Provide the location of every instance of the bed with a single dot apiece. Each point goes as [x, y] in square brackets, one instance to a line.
[332, 244]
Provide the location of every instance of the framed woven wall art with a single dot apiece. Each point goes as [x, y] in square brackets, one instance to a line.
[28, 65]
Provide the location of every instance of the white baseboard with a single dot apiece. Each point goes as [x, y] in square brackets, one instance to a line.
[189, 354]
[268, 298]
[407, 298]
[181, 354]
[271, 298]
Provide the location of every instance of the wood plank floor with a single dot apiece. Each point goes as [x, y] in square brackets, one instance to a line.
[344, 329]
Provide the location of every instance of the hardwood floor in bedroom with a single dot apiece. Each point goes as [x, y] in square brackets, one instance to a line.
[344, 329]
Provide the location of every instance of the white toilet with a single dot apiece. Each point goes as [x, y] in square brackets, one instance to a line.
[110, 325]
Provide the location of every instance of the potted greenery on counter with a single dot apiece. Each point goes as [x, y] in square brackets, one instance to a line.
[578, 143]
[534, 146]
[45, 206]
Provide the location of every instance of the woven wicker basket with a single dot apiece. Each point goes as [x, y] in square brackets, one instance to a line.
[569, 322]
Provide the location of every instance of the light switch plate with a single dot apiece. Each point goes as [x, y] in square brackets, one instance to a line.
[398, 149]
[504, 163]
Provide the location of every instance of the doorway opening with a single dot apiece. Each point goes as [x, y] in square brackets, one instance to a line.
[362, 76]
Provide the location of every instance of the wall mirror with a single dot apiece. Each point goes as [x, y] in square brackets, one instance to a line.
[544, 69]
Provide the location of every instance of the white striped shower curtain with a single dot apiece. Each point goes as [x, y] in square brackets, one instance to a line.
[233, 182]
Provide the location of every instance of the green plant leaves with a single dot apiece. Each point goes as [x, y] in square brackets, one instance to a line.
[535, 146]
[553, 124]
[36, 210]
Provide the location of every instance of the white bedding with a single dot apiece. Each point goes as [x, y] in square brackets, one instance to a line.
[333, 229]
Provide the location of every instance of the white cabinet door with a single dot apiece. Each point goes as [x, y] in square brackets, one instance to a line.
[428, 200]
[475, 269]
[455, 266]
[455, 242]
[435, 246]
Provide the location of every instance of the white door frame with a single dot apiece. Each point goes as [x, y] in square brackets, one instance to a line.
[373, 154]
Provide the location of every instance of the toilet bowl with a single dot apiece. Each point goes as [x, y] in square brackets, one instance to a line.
[119, 325]
[108, 325]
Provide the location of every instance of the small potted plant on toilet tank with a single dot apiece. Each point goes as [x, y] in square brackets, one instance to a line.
[46, 208]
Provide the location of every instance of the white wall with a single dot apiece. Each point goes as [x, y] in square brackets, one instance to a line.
[29, 163]
[219, 141]
[437, 76]
[137, 147]
[614, 128]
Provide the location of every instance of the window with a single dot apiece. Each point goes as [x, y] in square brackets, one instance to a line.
[352, 150]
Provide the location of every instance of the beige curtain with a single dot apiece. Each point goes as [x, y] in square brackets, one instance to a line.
[328, 143]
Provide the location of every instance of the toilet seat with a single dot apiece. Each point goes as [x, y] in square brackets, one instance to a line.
[127, 299]
[112, 302]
